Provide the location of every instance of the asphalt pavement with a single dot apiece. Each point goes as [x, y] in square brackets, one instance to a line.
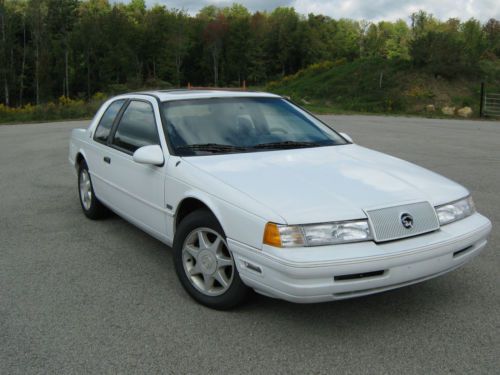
[81, 296]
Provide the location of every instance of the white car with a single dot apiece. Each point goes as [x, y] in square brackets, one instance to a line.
[252, 191]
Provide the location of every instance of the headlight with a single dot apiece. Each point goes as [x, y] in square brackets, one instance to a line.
[317, 234]
[450, 212]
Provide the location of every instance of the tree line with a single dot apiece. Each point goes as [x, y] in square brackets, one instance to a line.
[75, 48]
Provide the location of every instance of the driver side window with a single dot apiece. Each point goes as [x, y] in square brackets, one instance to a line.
[137, 127]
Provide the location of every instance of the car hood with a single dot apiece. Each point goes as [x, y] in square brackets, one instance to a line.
[323, 184]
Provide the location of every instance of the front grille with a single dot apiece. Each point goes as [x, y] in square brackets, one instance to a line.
[387, 224]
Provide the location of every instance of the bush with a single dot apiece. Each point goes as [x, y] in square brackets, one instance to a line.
[64, 108]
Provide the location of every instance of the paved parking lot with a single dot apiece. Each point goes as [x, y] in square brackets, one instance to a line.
[78, 296]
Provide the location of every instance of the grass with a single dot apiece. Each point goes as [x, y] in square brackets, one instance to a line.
[361, 86]
[378, 86]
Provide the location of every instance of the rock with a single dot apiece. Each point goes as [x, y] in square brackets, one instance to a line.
[465, 112]
[305, 101]
[430, 108]
[450, 111]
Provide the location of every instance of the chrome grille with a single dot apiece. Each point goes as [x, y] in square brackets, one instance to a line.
[387, 224]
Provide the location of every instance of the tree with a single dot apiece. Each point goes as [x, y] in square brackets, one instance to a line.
[257, 58]
[178, 41]
[316, 36]
[215, 29]
[475, 43]
[347, 39]
[60, 19]
[76, 48]
[88, 45]
[492, 35]
[282, 38]
[5, 48]
[388, 40]
[439, 52]
[120, 63]
[398, 42]
[237, 40]
[37, 13]
[421, 23]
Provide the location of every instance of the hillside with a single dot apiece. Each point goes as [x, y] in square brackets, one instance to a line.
[382, 86]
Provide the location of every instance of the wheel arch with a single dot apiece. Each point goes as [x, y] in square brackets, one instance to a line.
[195, 202]
[79, 158]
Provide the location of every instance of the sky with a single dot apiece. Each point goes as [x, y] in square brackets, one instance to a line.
[371, 10]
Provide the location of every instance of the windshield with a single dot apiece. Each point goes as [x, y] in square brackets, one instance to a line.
[229, 125]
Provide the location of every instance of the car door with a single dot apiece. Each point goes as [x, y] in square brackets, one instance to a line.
[98, 169]
[137, 190]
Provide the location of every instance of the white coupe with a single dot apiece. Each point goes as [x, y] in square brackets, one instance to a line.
[251, 191]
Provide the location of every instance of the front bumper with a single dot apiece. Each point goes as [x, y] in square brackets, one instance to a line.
[326, 273]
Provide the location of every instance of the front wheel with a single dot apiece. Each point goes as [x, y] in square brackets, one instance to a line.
[204, 264]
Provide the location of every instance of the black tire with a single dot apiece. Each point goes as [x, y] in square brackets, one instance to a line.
[95, 210]
[236, 291]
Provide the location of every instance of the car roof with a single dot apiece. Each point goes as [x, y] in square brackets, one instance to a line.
[182, 94]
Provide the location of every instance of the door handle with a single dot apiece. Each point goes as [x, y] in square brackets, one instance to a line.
[107, 159]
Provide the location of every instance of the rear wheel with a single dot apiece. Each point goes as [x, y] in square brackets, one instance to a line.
[91, 206]
[204, 264]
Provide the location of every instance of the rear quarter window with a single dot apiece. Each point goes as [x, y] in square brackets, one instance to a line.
[106, 123]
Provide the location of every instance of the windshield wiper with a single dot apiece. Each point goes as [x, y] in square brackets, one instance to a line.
[212, 147]
[287, 144]
[217, 147]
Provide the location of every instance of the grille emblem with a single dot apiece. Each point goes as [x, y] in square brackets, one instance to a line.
[407, 220]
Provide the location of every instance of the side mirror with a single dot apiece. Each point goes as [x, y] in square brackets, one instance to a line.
[346, 136]
[152, 155]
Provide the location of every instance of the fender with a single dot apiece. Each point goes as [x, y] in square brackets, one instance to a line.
[82, 152]
[236, 222]
[207, 200]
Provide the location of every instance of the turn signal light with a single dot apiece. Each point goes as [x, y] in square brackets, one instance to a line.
[272, 235]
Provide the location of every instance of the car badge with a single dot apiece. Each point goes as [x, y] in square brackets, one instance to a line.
[407, 220]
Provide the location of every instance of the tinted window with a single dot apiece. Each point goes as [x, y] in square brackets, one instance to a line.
[107, 119]
[137, 127]
[221, 125]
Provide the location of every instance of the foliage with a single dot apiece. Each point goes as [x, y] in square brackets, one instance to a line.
[76, 48]
[363, 85]
[374, 84]
[62, 108]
